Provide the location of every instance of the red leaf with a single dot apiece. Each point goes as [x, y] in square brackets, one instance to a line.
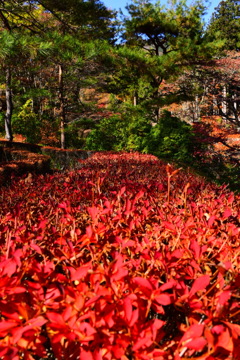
[92, 300]
[86, 355]
[7, 325]
[37, 322]
[89, 232]
[169, 226]
[36, 248]
[67, 313]
[223, 267]
[135, 316]
[56, 319]
[156, 325]
[81, 272]
[177, 254]
[93, 212]
[126, 243]
[42, 224]
[168, 285]
[118, 351]
[87, 329]
[199, 284]
[108, 317]
[139, 195]
[79, 302]
[195, 247]
[16, 290]
[128, 207]
[63, 205]
[196, 344]
[194, 331]
[139, 343]
[122, 190]
[127, 305]
[117, 269]
[142, 282]
[225, 341]
[224, 297]
[217, 329]
[8, 267]
[234, 328]
[227, 213]
[163, 299]
[211, 220]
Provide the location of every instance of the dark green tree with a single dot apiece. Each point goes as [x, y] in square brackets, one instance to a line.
[85, 21]
[12, 51]
[225, 25]
[91, 17]
[159, 44]
[126, 131]
[172, 139]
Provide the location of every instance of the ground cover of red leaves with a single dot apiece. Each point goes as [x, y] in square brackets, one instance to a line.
[126, 258]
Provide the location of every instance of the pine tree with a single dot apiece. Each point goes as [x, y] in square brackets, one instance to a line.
[71, 25]
[159, 44]
[225, 25]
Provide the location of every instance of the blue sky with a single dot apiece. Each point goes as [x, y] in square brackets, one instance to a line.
[120, 4]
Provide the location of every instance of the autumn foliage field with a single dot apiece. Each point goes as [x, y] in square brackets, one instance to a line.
[127, 258]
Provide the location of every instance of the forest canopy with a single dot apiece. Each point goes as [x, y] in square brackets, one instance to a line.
[77, 74]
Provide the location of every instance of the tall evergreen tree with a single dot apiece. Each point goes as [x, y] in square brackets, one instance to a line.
[92, 17]
[225, 25]
[162, 43]
[84, 20]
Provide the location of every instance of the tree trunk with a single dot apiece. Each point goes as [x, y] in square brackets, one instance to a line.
[9, 106]
[235, 109]
[135, 99]
[157, 114]
[197, 109]
[224, 102]
[62, 107]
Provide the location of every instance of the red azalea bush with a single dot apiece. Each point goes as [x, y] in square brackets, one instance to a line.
[126, 258]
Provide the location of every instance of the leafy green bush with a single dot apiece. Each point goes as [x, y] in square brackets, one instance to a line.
[106, 135]
[75, 137]
[26, 123]
[128, 131]
[172, 139]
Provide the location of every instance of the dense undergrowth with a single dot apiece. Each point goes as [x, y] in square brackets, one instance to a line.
[170, 139]
[126, 258]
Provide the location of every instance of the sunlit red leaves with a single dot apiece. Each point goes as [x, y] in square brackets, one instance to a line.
[199, 284]
[117, 269]
[154, 296]
[24, 335]
[97, 264]
[193, 339]
[131, 310]
[148, 334]
[80, 273]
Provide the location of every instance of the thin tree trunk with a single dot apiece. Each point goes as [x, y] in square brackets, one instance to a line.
[62, 107]
[135, 99]
[197, 109]
[224, 102]
[9, 105]
[8, 92]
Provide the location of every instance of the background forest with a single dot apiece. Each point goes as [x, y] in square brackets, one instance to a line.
[159, 80]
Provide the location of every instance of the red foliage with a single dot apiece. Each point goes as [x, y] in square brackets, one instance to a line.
[126, 258]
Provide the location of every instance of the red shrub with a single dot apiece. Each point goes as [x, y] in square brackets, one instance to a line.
[126, 258]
